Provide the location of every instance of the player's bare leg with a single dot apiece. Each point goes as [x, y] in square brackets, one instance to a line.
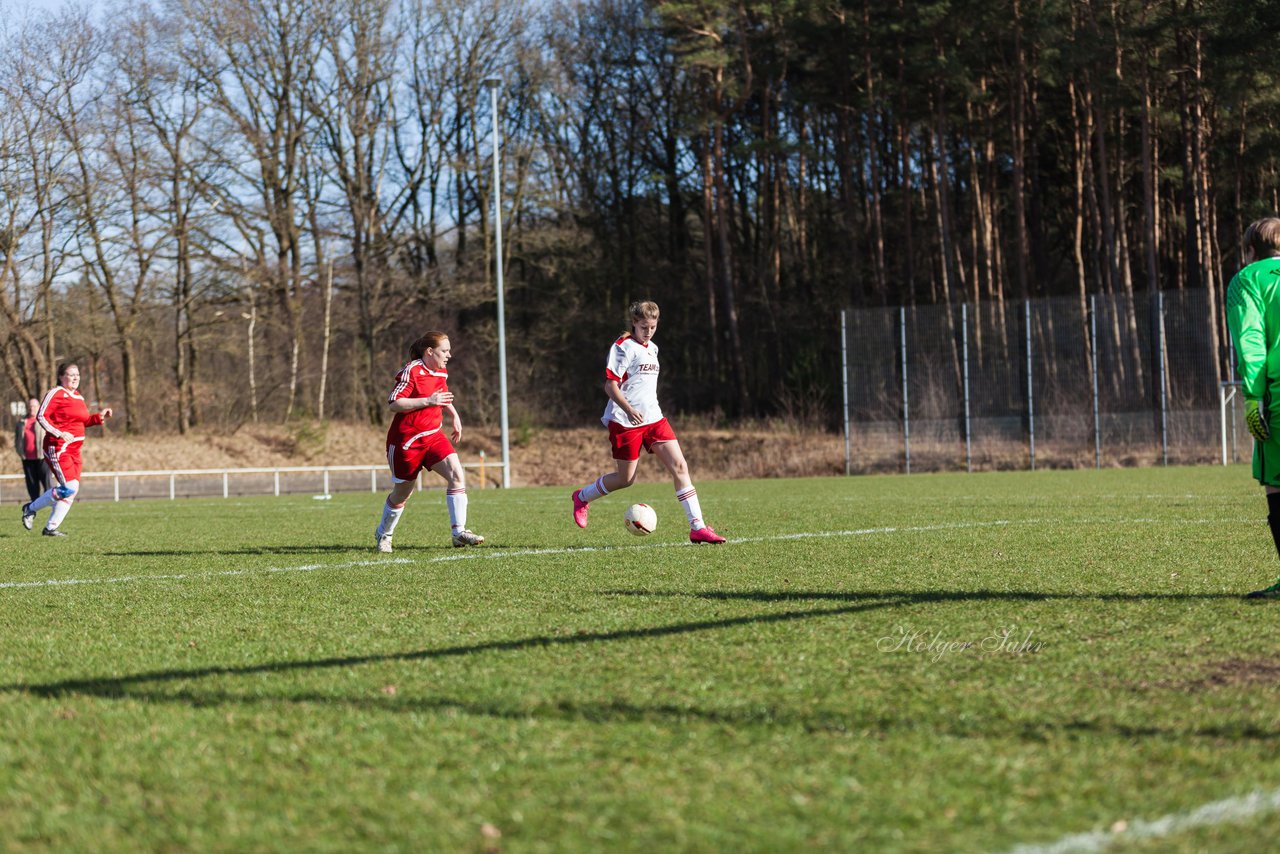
[673, 458]
[602, 486]
[622, 478]
[450, 468]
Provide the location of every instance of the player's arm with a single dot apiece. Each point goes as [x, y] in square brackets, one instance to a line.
[615, 371]
[42, 416]
[410, 404]
[1245, 320]
[457, 422]
[614, 391]
[400, 401]
[1248, 331]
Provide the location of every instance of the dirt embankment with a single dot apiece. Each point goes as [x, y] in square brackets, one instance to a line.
[540, 457]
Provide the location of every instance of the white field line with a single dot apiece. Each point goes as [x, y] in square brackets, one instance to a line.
[125, 579]
[502, 555]
[1227, 811]
[483, 555]
[805, 535]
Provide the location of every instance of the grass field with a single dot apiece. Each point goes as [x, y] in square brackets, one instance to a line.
[924, 663]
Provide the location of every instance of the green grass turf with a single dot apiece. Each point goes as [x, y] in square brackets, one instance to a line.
[247, 674]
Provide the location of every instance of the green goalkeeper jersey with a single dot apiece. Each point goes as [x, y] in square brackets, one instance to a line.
[1253, 316]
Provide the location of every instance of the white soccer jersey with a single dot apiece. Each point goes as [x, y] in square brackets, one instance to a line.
[635, 367]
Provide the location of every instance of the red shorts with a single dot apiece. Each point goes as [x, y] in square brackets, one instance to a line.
[64, 466]
[627, 441]
[422, 453]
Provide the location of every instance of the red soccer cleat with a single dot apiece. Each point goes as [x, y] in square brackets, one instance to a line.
[579, 510]
[705, 534]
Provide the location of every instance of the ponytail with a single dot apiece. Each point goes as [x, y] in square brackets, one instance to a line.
[640, 310]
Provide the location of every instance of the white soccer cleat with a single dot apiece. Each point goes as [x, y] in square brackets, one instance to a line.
[466, 538]
[28, 516]
[383, 541]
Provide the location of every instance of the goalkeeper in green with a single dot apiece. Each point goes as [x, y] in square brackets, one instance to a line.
[1253, 316]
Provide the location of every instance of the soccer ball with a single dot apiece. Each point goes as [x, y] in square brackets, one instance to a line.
[640, 519]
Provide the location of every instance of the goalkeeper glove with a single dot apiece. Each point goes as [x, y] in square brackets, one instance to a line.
[1255, 417]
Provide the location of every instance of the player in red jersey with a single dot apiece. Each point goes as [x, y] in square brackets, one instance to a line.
[415, 441]
[635, 421]
[62, 415]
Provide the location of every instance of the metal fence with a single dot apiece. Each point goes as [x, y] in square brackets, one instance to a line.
[1053, 383]
[234, 482]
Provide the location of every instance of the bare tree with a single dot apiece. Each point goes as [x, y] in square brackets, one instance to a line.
[109, 184]
[166, 97]
[258, 61]
[36, 220]
[353, 108]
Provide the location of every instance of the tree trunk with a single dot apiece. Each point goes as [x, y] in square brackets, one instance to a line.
[728, 283]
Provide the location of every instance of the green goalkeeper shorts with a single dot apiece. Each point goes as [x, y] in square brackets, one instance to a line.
[1266, 461]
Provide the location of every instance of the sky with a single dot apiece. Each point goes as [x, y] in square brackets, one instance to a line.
[19, 10]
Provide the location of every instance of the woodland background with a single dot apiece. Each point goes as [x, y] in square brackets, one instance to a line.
[235, 211]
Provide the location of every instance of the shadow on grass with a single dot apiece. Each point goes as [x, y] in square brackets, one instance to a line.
[148, 687]
[921, 596]
[747, 715]
[117, 686]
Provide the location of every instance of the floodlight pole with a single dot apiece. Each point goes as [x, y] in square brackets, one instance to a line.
[492, 83]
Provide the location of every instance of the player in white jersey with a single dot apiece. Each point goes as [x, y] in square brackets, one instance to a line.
[635, 421]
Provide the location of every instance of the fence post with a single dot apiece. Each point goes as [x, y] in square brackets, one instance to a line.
[326, 481]
[844, 377]
[116, 487]
[276, 479]
[1093, 350]
[964, 347]
[1031, 402]
[171, 490]
[1231, 372]
[373, 480]
[1222, 417]
[1164, 381]
[906, 405]
[226, 477]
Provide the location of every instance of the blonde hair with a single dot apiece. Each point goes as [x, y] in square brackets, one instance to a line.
[640, 310]
[1263, 237]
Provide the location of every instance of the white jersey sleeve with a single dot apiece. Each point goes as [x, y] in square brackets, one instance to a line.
[635, 368]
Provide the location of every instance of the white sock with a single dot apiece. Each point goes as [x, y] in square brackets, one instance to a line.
[60, 509]
[688, 499]
[593, 490]
[456, 500]
[390, 516]
[42, 502]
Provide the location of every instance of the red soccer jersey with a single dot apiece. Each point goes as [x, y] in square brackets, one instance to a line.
[30, 446]
[416, 380]
[64, 412]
